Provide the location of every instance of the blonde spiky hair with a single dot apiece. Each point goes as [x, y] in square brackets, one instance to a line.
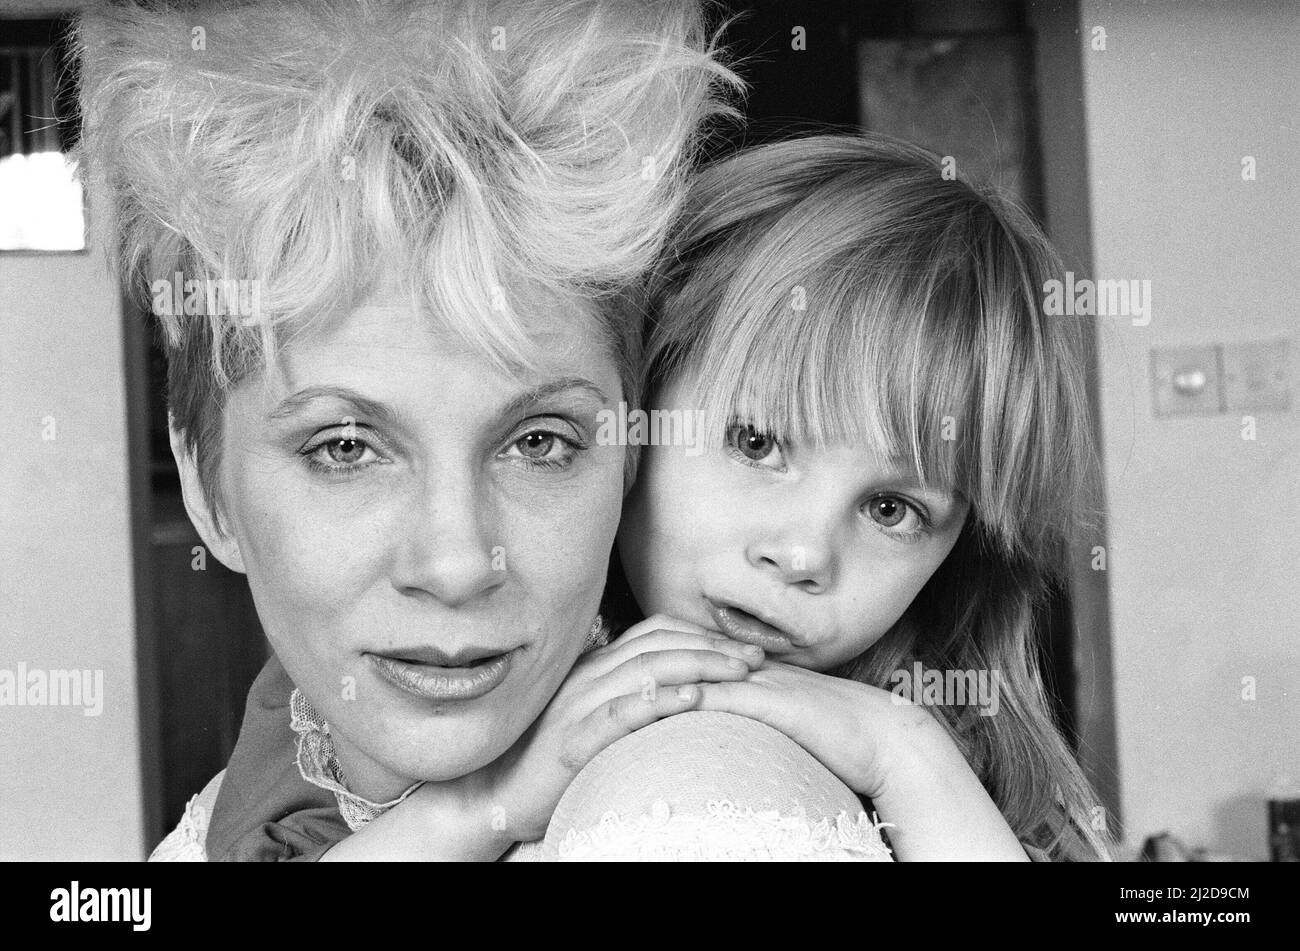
[485, 151]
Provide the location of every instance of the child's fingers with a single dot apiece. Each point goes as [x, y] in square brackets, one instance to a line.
[647, 674]
[659, 641]
[619, 716]
[745, 699]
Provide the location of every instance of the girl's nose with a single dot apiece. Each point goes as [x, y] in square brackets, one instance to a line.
[803, 559]
[446, 551]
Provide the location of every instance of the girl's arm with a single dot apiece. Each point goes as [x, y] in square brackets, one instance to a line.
[939, 808]
[885, 748]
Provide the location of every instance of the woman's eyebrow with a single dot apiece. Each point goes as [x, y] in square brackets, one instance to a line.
[537, 394]
[364, 406]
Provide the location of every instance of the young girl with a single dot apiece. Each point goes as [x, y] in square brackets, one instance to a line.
[894, 440]
[897, 435]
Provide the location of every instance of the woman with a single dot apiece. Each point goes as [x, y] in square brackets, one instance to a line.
[433, 212]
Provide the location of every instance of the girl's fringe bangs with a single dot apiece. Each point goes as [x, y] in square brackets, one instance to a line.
[906, 363]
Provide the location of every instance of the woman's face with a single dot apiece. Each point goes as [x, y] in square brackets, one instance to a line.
[425, 536]
[812, 552]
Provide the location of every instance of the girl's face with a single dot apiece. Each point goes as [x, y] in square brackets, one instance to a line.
[811, 552]
[425, 536]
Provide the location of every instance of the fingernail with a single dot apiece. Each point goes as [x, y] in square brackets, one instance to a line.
[753, 649]
[735, 664]
[685, 692]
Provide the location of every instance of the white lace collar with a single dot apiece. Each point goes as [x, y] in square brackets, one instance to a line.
[319, 765]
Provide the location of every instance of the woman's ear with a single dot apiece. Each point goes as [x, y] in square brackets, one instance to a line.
[222, 545]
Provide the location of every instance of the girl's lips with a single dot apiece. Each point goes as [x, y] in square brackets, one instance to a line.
[432, 682]
[742, 626]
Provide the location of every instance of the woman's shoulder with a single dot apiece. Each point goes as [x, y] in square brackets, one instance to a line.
[188, 841]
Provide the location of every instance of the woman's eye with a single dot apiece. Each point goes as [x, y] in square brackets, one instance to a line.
[346, 451]
[889, 511]
[541, 448]
[536, 445]
[342, 453]
[753, 445]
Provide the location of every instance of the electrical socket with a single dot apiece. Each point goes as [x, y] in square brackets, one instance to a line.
[1185, 381]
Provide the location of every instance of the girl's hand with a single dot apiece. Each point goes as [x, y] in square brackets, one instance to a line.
[652, 671]
[882, 747]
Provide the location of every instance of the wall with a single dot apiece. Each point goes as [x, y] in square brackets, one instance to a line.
[70, 784]
[1204, 525]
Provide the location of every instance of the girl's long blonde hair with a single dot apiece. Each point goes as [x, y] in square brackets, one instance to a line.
[839, 288]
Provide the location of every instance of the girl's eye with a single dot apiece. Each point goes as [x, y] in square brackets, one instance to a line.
[899, 515]
[754, 446]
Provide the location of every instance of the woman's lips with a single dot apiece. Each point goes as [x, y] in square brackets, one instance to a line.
[742, 626]
[431, 675]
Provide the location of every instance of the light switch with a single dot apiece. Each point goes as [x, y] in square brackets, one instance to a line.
[1185, 381]
[1256, 375]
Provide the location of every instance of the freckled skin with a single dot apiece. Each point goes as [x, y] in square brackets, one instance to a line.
[450, 542]
[796, 547]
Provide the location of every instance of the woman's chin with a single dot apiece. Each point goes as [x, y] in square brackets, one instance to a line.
[448, 747]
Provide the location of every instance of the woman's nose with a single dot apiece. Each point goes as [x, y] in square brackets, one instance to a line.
[447, 551]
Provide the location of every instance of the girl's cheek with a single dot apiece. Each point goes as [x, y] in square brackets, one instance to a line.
[712, 509]
[682, 493]
[870, 618]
